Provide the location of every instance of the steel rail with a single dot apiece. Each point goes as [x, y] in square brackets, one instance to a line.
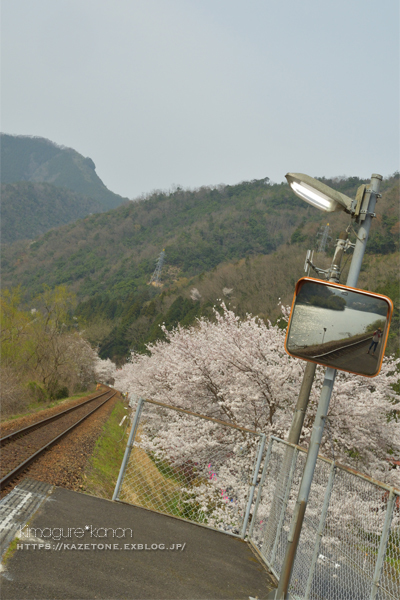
[21, 467]
[38, 424]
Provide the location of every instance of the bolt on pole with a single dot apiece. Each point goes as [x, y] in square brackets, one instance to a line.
[323, 405]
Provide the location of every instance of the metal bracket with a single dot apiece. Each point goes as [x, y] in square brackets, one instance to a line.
[367, 213]
[317, 269]
[357, 202]
[348, 245]
[370, 191]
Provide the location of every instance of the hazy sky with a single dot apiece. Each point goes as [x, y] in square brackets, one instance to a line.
[202, 92]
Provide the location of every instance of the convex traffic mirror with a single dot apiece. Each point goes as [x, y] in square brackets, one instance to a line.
[338, 326]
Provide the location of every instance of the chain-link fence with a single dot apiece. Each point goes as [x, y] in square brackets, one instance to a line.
[190, 466]
[349, 547]
[206, 471]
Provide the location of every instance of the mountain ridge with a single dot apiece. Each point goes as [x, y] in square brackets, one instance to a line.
[39, 160]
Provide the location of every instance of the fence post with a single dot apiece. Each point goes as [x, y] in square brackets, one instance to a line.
[253, 485]
[320, 530]
[284, 504]
[260, 487]
[128, 448]
[383, 544]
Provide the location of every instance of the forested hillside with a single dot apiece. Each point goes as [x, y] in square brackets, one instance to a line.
[30, 209]
[245, 244]
[36, 159]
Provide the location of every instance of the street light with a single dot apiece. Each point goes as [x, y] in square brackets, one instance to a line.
[318, 194]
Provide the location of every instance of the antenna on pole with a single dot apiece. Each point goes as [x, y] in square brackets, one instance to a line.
[325, 240]
[155, 278]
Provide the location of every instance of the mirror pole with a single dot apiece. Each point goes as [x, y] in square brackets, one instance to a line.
[305, 485]
[302, 402]
[309, 371]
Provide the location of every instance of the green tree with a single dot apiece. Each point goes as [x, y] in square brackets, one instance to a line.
[15, 337]
[51, 357]
[41, 349]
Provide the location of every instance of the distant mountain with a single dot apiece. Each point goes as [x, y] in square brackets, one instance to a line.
[36, 159]
[31, 209]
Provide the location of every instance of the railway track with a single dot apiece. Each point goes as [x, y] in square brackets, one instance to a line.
[20, 448]
[343, 350]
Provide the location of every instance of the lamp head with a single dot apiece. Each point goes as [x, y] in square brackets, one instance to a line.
[318, 194]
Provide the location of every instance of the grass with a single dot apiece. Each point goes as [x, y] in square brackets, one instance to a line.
[152, 488]
[10, 551]
[102, 471]
[156, 485]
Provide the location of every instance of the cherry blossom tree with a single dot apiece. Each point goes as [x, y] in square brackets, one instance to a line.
[104, 370]
[238, 371]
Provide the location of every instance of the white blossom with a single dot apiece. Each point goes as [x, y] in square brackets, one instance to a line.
[195, 294]
[105, 370]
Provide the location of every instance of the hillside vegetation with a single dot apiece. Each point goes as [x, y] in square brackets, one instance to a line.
[30, 209]
[244, 243]
[36, 159]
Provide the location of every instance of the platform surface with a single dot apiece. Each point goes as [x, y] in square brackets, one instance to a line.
[77, 546]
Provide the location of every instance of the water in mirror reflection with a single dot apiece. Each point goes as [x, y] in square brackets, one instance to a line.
[338, 327]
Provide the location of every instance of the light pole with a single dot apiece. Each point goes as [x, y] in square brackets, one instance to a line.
[362, 210]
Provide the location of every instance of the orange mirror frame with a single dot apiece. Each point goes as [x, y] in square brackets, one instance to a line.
[338, 326]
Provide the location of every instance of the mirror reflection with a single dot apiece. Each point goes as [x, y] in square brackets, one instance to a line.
[338, 327]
